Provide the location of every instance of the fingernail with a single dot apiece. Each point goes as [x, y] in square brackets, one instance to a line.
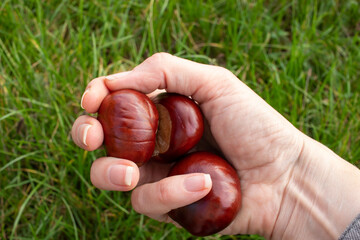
[117, 75]
[121, 175]
[82, 98]
[85, 129]
[197, 183]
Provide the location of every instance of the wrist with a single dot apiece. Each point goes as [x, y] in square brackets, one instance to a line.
[321, 198]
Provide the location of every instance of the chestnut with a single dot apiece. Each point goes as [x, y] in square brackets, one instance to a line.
[129, 120]
[219, 207]
[138, 129]
[181, 126]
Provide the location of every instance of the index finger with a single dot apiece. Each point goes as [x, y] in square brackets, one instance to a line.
[96, 91]
[164, 71]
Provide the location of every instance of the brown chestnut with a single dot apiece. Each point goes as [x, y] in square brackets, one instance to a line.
[137, 129]
[181, 126]
[220, 206]
[129, 120]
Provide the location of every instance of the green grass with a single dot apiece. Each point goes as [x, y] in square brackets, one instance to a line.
[302, 57]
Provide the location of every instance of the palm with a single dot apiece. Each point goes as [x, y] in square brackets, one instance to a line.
[260, 145]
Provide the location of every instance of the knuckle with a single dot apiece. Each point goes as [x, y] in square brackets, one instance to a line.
[224, 75]
[158, 57]
[164, 194]
[223, 71]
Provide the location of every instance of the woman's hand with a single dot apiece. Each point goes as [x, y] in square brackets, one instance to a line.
[266, 150]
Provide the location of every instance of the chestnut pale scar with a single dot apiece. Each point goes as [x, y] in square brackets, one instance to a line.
[163, 135]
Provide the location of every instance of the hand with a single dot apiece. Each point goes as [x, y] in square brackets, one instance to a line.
[266, 150]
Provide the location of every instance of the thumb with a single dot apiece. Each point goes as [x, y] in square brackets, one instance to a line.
[164, 71]
[157, 199]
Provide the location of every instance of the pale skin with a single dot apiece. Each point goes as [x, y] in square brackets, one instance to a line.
[292, 186]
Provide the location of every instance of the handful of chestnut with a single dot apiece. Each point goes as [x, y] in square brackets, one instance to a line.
[165, 129]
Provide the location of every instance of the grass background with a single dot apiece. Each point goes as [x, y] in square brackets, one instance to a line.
[302, 57]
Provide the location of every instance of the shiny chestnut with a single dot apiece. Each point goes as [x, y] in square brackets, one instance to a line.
[220, 206]
[130, 121]
[181, 126]
[138, 129]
